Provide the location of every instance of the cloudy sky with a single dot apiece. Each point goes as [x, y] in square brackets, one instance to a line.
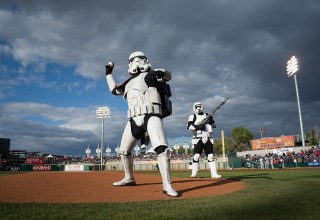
[53, 53]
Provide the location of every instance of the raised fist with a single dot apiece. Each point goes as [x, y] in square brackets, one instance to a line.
[163, 75]
[109, 68]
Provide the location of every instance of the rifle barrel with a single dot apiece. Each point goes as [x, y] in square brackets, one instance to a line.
[217, 108]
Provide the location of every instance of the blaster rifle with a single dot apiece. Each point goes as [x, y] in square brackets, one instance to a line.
[213, 112]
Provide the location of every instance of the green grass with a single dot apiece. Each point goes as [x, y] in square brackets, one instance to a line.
[278, 194]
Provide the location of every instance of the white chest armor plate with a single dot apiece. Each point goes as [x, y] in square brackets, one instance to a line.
[208, 128]
[141, 98]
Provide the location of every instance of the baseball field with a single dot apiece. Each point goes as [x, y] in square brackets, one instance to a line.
[240, 194]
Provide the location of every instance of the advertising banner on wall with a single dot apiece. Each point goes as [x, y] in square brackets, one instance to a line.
[314, 164]
[273, 142]
[282, 150]
[74, 167]
[41, 168]
[35, 161]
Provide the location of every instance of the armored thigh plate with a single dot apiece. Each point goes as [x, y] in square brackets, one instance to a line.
[156, 132]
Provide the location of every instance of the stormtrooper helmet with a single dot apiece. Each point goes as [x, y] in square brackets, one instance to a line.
[138, 63]
[197, 107]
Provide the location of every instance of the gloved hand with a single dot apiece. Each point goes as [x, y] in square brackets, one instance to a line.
[214, 125]
[109, 68]
[162, 74]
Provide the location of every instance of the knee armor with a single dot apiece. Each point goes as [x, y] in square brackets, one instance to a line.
[210, 158]
[196, 157]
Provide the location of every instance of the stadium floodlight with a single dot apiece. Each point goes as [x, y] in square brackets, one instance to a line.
[176, 147]
[98, 151]
[102, 112]
[292, 69]
[117, 150]
[88, 151]
[108, 151]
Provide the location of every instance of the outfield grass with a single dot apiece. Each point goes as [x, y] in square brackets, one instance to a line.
[277, 194]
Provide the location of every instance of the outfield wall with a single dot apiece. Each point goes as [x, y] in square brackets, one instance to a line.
[175, 165]
[117, 166]
[138, 165]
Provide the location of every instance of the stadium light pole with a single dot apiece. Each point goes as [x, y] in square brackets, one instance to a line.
[102, 112]
[136, 148]
[292, 68]
[176, 147]
[88, 152]
[186, 148]
[98, 151]
[117, 150]
[108, 151]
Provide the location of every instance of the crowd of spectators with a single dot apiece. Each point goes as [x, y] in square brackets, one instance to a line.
[303, 156]
[116, 158]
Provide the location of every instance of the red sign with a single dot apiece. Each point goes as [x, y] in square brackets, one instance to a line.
[4, 161]
[35, 161]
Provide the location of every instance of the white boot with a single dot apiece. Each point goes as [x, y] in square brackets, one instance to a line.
[164, 167]
[195, 169]
[213, 169]
[127, 162]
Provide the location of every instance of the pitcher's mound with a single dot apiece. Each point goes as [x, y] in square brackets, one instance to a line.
[96, 187]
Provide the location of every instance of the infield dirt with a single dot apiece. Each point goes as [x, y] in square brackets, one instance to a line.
[96, 187]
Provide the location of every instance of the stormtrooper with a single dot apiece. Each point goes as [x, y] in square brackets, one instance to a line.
[147, 95]
[201, 125]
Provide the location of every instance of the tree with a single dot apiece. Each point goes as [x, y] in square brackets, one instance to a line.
[316, 129]
[313, 135]
[242, 137]
[229, 145]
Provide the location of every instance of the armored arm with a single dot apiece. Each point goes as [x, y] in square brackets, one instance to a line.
[210, 121]
[192, 127]
[113, 87]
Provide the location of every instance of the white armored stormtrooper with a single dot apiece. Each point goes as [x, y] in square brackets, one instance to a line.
[147, 95]
[201, 125]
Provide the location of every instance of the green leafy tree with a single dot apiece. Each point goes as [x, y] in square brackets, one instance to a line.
[313, 136]
[242, 137]
[229, 145]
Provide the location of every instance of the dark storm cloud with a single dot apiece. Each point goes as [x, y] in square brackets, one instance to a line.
[214, 49]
